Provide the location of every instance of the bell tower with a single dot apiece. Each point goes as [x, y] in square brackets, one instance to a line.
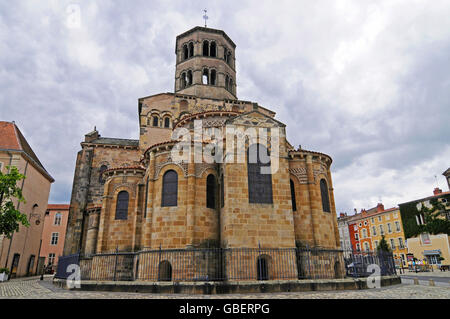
[205, 64]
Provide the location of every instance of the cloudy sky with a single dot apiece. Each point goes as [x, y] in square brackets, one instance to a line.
[367, 82]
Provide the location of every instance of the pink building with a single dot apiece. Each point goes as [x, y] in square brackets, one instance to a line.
[54, 233]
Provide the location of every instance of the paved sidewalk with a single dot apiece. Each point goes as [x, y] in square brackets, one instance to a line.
[436, 273]
[33, 288]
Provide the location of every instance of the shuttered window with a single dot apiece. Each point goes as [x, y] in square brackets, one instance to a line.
[169, 189]
[259, 185]
[122, 205]
[324, 194]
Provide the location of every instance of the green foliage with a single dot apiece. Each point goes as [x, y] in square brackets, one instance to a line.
[4, 270]
[10, 217]
[434, 223]
[383, 245]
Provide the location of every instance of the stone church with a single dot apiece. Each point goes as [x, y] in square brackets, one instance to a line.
[132, 195]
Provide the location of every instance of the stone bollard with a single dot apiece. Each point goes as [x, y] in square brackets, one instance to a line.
[431, 281]
[416, 281]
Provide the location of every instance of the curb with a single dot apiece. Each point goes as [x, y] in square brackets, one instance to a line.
[208, 288]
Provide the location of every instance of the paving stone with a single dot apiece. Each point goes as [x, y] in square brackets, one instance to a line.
[37, 289]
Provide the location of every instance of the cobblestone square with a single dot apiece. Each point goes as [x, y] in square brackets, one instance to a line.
[34, 288]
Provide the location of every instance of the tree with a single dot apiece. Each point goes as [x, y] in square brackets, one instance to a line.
[433, 222]
[10, 217]
[383, 245]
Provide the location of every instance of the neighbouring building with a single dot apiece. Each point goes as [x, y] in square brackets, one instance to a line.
[367, 228]
[54, 233]
[447, 176]
[425, 246]
[133, 194]
[20, 253]
[344, 233]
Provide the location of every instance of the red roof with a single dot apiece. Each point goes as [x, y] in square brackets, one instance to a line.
[8, 137]
[12, 139]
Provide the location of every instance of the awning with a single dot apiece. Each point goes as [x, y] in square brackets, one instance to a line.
[431, 252]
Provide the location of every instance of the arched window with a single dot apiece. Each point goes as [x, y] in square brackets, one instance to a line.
[213, 77]
[226, 81]
[205, 48]
[225, 54]
[205, 77]
[191, 49]
[155, 121]
[183, 80]
[212, 49]
[165, 271]
[189, 77]
[230, 86]
[211, 191]
[229, 57]
[262, 270]
[169, 189]
[122, 205]
[259, 183]
[167, 122]
[185, 52]
[100, 176]
[324, 194]
[294, 203]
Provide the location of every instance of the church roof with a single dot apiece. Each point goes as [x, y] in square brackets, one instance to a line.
[115, 141]
[12, 139]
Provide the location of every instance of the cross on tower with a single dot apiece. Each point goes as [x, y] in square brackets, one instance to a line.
[205, 17]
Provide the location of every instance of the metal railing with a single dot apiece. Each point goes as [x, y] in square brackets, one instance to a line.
[232, 264]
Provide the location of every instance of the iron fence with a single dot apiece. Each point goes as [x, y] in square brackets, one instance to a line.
[232, 264]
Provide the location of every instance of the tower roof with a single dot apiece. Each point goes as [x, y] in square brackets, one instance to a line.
[221, 32]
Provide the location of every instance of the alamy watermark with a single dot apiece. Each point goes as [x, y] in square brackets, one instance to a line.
[229, 144]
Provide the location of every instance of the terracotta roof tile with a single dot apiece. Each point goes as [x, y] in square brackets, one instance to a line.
[11, 138]
[8, 138]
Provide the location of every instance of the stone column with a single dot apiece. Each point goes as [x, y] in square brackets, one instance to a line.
[148, 210]
[313, 200]
[190, 202]
[92, 231]
[333, 208]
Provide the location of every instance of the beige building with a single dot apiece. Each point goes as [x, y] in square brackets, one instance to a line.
[20, 254]
[133, 194]
[426, 247]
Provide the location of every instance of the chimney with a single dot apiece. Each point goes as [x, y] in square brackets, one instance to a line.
[380, 207]
[437, 191]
